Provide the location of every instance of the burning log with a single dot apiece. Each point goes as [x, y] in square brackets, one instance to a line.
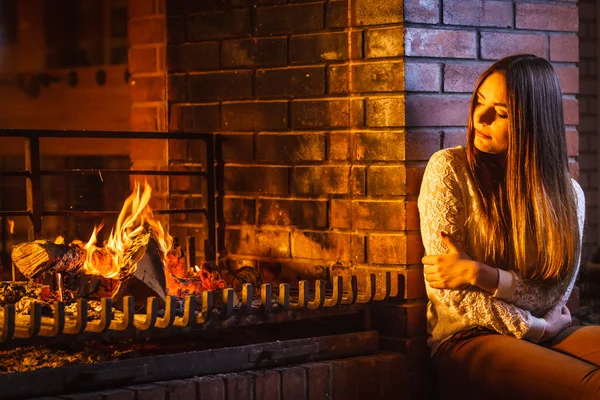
[41, 256]
[182, 281]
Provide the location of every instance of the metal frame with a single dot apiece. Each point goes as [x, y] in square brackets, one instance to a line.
[33, 173]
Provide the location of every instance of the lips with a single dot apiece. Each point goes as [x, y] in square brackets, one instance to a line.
[481, 134]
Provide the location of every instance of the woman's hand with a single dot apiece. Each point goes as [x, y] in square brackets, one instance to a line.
[453, 270]
[557, 319]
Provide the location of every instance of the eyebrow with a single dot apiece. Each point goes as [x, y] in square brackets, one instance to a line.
[496, 104]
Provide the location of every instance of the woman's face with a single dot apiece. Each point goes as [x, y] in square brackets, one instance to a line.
[490, 118]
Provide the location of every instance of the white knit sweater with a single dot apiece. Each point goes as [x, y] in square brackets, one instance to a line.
[516, 308]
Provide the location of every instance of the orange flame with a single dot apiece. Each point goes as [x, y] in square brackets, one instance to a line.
[135, 218]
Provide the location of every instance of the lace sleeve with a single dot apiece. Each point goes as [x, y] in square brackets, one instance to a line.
[538, 296]
[441, 207]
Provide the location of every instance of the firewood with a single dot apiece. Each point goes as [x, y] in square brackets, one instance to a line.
[34, 258]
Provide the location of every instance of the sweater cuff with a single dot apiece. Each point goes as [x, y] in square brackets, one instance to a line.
[536, 329]
[507, 283]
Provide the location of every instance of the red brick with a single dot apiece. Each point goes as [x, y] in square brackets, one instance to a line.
[437, 110]
[290, 82]
[255, 116]
[320, 179]
[148, 392]
[237, 148]
[293, 383]
[195, 118]
[421, 42]
[179, 389]
[239, 386]
[384, 42]
[574, 169]
[116, 394]
[320, 114]
[336, 14]
[386, 249]
[210, 388]
[462, 77]
[400, 320]
[345, 379]
[378, 146]
[141, 8]
[142, 59]
[412, 216]
[147, 89]
[286, 148]
[564, 48]
[317, 48]
[177, 87]
[289, 19]
[319, 380]
[384, 112]
[378, 77]
[322, 245]
[415, 350]
[382, 376]
[478, 13]
[367, 12]
[571, 111]
[376, 215]
[238, 211]
[338, 79]
[175, 29]
[219, 25]
[339, 146]
[267, 243]
[259, 179]
[193, 56]
[549, 17]
[496, 45]
[386, 180]
[425, 11]
[341, 214]
[213, 86]
[453, 137]
[414, 283]
[569, 79]
[422, 77]
[267, 385]
[304, 214]
[143, 119]
[146, 31]
[421, 144]
[263, 52]
[358, 180]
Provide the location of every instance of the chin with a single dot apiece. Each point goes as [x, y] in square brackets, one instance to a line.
[485, 148]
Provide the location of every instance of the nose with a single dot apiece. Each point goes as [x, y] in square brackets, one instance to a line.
[485, 115]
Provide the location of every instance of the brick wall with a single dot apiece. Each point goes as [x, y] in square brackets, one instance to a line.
[307, 99]
[320, 176]
[589, 159]
[367, 377]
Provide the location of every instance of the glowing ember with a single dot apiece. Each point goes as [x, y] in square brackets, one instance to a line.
[134, 223]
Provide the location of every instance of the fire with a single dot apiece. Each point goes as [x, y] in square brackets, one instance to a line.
[135, 221]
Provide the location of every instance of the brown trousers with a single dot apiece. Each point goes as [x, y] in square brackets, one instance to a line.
[486, 365]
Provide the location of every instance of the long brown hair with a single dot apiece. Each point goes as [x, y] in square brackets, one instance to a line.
[528, 207]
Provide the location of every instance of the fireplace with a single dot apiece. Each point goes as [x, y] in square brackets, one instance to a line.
[245, 328]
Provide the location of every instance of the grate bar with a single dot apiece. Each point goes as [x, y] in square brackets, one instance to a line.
[59, 324]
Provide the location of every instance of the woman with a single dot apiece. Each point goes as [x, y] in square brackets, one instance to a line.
[502, 224]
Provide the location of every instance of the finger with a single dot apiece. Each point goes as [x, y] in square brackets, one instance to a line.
[452, 247]
[430, 269]
[429, 260]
